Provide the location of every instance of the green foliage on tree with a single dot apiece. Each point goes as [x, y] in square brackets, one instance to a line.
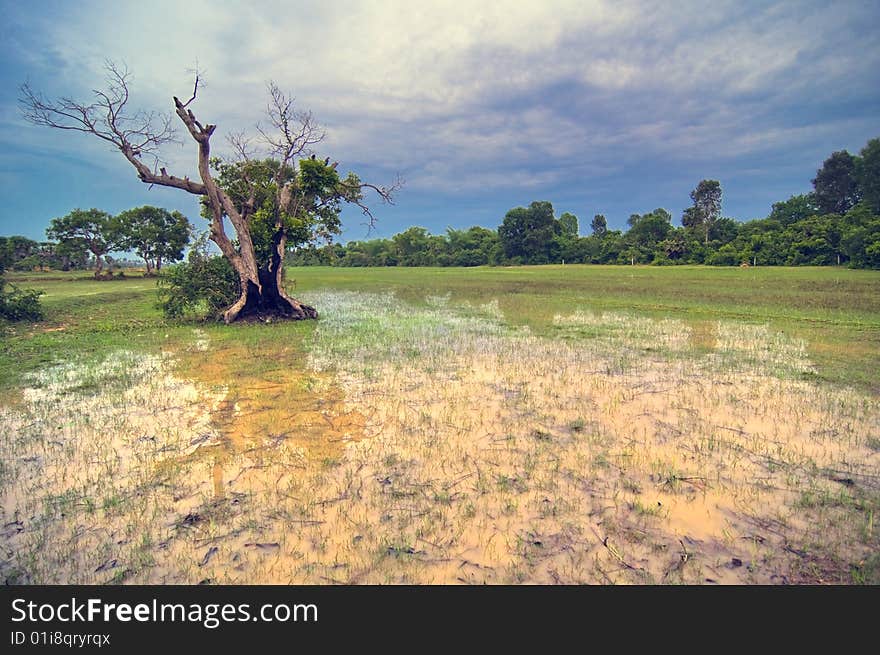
[312, 214]
[475, 246]
[527, 233]
[599, 225]
[646, 231]
[868, 174]
[835, 186]
[158, 236]
[568, 225]
[795, 209]
[860, 240]
[202, 286]
[15, 249]
[706, 208]
[18, 253]
[412, 247]
[92, 229]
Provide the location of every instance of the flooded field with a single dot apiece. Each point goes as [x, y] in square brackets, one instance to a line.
[440, 442]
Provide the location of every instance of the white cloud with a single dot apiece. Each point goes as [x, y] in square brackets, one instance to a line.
[431, 86]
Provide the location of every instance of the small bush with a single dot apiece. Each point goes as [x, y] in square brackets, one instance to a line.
[20, 304]
[203, 286]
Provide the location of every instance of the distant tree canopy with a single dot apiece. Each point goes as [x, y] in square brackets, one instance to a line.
[157, 235]
[797, 231]
[527, 233]
[706, 208]
[868, 174]
[796, 208]
[16, 304]
[836, 187]
[18, 253]
[90, 229]
[85, 238]
[568, 225]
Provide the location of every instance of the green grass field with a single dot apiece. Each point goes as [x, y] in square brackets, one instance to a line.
[545, 425]
[835, 311]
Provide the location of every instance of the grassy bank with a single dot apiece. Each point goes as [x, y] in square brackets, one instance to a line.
[835, 311]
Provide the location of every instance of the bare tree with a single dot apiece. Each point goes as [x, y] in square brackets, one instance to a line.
[302, 186]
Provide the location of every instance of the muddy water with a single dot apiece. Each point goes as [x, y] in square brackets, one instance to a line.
[703, 335]
[263, 408]
[468, 455]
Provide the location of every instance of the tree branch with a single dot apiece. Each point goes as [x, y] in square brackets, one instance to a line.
[139, 134]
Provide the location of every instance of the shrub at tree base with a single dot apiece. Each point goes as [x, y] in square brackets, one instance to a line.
[203, 286]
[20, 305]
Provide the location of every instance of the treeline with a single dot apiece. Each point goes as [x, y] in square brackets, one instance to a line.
[837, 223]
[18, 253]
[85, 239]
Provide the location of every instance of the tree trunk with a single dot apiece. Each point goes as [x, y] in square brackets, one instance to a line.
[99, 265]
[269, 299]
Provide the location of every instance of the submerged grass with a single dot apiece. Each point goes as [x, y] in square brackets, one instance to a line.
[835, 311]
[491, 425]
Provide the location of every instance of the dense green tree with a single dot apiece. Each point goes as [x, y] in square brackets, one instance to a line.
[599, 225]
[157, 235]
[568, 225]
[23, 254]
[204, 285]
[612, 246]
[814, 241]
[706, 208]
[646, 231]
[723, 231]
[835, 185]
[860, 240]
[527, 233]
[381, 252]
[795, 209]
[69, 255]
[91, 229]
[675, 245]
[726, 255]
[757, 242]
[868, 174]
[565, 246]
[476, 246]
[411, 247]
[17, 249]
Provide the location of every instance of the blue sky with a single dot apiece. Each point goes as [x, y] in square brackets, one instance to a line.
[599, 107]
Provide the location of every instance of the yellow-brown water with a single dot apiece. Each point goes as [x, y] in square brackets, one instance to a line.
[471, 456]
